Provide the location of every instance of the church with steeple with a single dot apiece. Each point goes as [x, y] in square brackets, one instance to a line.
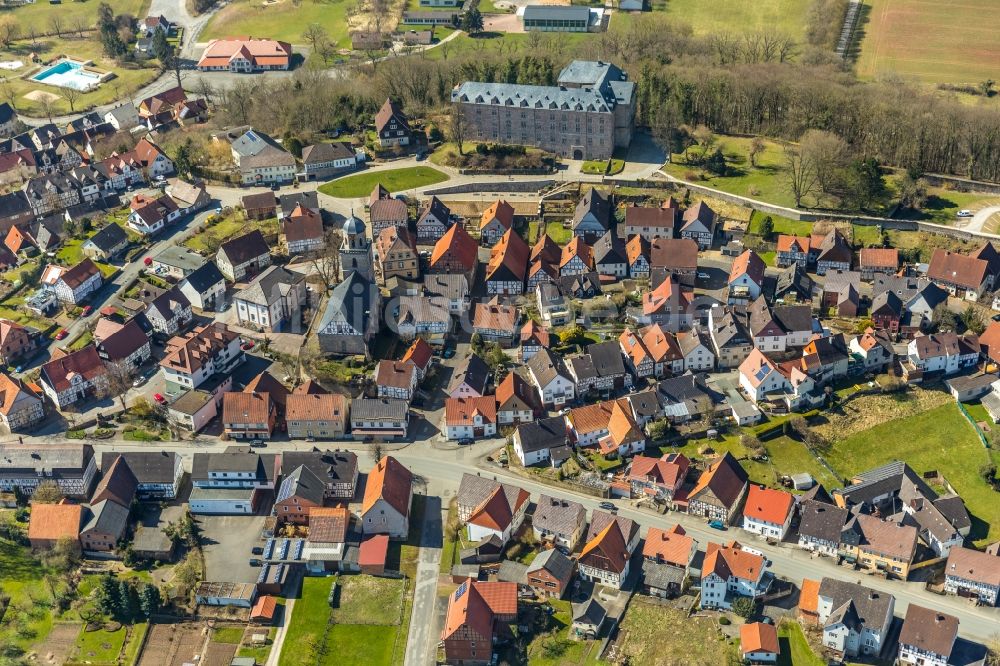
[356, 250]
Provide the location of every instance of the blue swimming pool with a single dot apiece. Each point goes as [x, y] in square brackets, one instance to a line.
[68, 74]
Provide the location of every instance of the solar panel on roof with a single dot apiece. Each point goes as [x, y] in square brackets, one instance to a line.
[268, 549]
[462, 589]
[262, 576]
[299, 545]
[284, 549]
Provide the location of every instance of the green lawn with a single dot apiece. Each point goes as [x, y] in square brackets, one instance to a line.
[791, 457]
[795, 650]
[100, 647]
[368, 600]
[394, 180]
[71, 252]
[736, 16]
[943, 205]
[259, 653]
[285, 20]
[651, 631]
[21, 578]
[558, 233]
[450, 547]
[938, 439]
[782, 225]
[553, 647]
[368, 644]
[40, 14]
[231, 635]
[759, 472]
[228, 227]
[308, 623]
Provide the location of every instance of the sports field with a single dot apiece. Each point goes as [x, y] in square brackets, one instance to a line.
[739, 16]
[933, 42]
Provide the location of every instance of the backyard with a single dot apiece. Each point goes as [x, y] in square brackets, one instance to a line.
[938, 439]
[208, 239]
[394, 180]
[795, 650]
[659, 636]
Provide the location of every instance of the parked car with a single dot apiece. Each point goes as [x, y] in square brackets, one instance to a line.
[257, 550]
[87, 309]
[448, 352]
[139, 381]
[704, 276]
[608, 506]
[465, 440]
[717, 525]
[254, 562]
[159, 398]
[248, 345]
[62, 334]
[965, 212]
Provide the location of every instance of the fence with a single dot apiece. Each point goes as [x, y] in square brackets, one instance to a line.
[975, 426]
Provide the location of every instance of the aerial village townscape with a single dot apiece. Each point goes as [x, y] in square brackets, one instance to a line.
[482, 332]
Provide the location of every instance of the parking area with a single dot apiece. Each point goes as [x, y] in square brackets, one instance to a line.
[226, 544]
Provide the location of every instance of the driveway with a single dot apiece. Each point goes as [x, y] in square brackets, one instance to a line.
[226, 544]
[981, 217]
[421, 643]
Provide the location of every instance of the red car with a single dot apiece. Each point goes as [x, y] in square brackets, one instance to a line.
[247, 346]
[62, 334]
[159, 398]
[87, 309]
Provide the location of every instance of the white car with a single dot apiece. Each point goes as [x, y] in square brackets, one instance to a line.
[704, 276]
[965, 212]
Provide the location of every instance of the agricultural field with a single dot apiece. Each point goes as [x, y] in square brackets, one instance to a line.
[284, 20]
[931, 42]
[394, 180]
[784, 16]
[40, 14]
[940, 439]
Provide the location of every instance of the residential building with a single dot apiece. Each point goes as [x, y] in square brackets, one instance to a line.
[792, 250]
[79, 375]
[245, 55]
[517, 401]
[535, 441]
[191, 359]
[881, 546]
[624, 437]
[759, 643]
[768, 512]
[730, 572]
[16, 342]
[189, 197]
[927, 637]
[248, 415]
[964, 276]
[72, 467]
[303, 231]
[450, 289]
[947, 353]
[205, 288]
[658, 478]
[381, 418]
[550, 573]
[611, 540]
[559, 522]
[820, 526]
[878, 260]
[830, 252]
[20, 406]
[496, 221]
[51, 523]
[637, 254]
[273, 301]
[385, 211]
[651, 223]
[495, 321]
[553, 380]
[455, 253]
[696, 350]
[588, 114]
[176, 262]
[499, 514]
[433, 221]
[746, 278]
[106, 244]
[508, 264]
[972, 573]
[552, 306]
[396, 249]
[396, 379]
[476, 613]
[323, 160]
[668, 305]
[887, 312]
[76, 284]
[392, 126]
[149, 216]
[855, 619]
[533, 339]
[338, 470]
[470, 378]
[388, 495]
[420, 317]
[610, 256]
[243, 256]
[666, 561]
[720, 491]
[312, 416]
[169, 313]
[874, 347]
[676, 257]
[300, 492]
[351, 319]
[698, 223]
[261, 160]
[592, 217]
[122, 343]
[260, 206]
[158, 474]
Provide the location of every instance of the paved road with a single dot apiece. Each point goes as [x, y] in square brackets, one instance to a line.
[421, 644]
[980, 218]
[443, 469]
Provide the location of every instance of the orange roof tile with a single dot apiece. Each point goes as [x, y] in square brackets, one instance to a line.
[590, 418]
[768, 505]
[462, 411]
[879, 257]
[731, 560]
[499, 210]
[390, 481]
[419, 353]
[809, 596]
[672, 546]
[607, 551]
[264, 608]
[458, 245]
[759, 637]
[662, 345]
[54, 521]
[796, 244]
[577, 248]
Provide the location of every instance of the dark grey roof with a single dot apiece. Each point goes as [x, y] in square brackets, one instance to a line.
[595, 204]
[450, 286]
[661, 575]
[908, 288]
[245, 248]
[542, 434]
[730, 327]
[888, 478]
[794, 278]
[7, 113]
[889, 301]
[589, 612]
[326, 152]
[473, 372]
[167, 301]
[559, 516]
[872, 606]
[546, 365]
[378, 408]
[307, 198]
[817, 493]
[645, 404]
[556, 13]
[687, 389]
[607, 357]
[558, 565]
[582, 367]
[109, 237]
[953, 509]
[147, 466]
[572, 284]
[18, 458]
[793, 317]
[273, 285]
[540, 97]
[513, 572]
[330, 466]
[108, 517]
[232, 461]
[436, 208]
[301, 482]
[204, 278]
[610, 249]
[822, 521]
[350, 305]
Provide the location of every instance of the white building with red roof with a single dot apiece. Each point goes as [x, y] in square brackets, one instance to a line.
[768, 512]
[245, 54]
[470, 418]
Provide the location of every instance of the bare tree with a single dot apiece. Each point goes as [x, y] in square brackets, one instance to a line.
[756, 148]
[377, 452]
[47, 492]
[80, 25]
[829, 155]
[55, 22]
[326, 263]
[8, 93]
[205, 89]
[801, 174]
[71, 95]
[121, 374]
[457, 127]
[315, 35]
[32, 33]
[9, 30]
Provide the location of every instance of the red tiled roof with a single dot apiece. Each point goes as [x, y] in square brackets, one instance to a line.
[957, 269]
[532, 331]
[458, 245]
[809, 596]
[731, 560]
[419, 353]
[750, 263]
[264, 608]
[390, 481]
[500, 210]
[793, 244]
[84, 362]
[244, 408]
[759, 637]
[879, 257]
[661, 470]
[577, 248]
[768, 504]
[462, 411]
[672, 546]
[607, 551]
[54, 521]
[373, 550]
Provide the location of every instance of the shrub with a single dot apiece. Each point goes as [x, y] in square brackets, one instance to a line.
[723, 620]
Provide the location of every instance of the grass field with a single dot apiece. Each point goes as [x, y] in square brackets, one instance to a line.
[937, 439]
[369, 644]
[651, 634]
[22, 580]
[39, 14]
[395, 180]
[283, 20]
[310, 617]
[931, 42]
[100, 647]
[368, 600]
[228, 635]
[786, 16]
[230, 227]
[795, 650]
